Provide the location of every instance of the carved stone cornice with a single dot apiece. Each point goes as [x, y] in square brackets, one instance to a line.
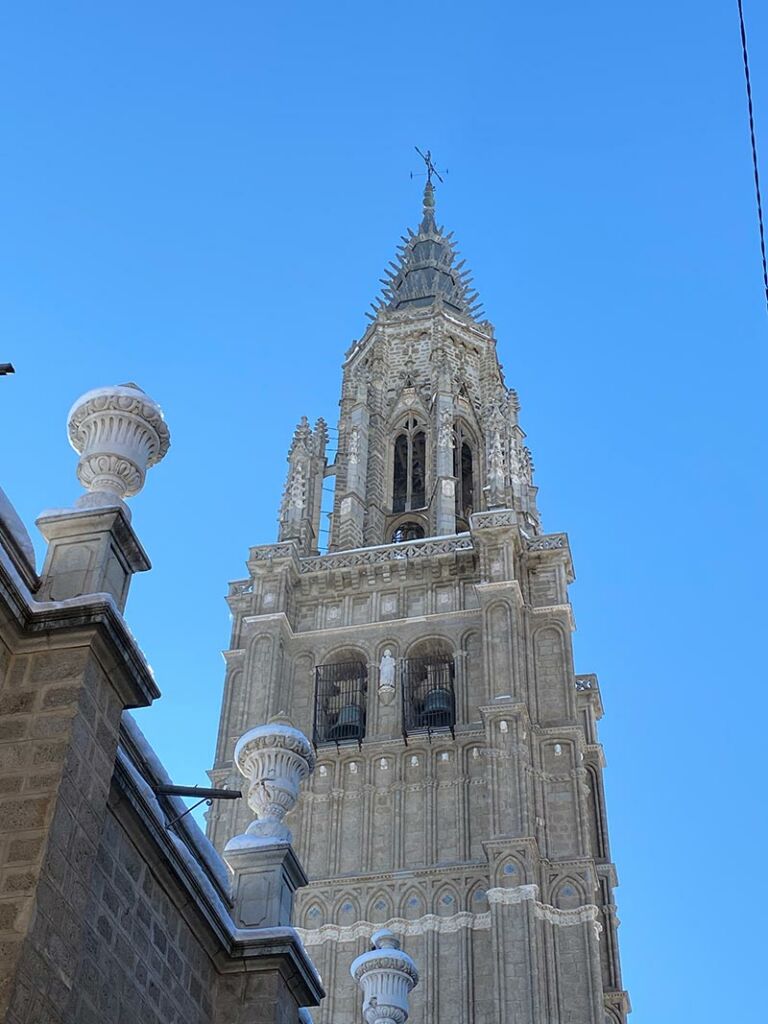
[555, 610]
[452, 872]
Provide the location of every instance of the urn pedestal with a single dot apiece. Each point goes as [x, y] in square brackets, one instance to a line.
[274, 758]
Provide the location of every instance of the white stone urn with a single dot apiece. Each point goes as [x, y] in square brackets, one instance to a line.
[119, 432]
[275, 758]
[386, 975]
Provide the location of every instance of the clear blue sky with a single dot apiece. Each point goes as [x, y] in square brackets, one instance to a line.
[201, 198]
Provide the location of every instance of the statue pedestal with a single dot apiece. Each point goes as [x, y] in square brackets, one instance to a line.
[267, 874]
[90, 551]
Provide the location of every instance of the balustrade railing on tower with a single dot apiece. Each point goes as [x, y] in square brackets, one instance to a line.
[340, 701]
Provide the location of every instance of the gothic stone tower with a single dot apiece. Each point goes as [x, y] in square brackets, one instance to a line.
[458, 797]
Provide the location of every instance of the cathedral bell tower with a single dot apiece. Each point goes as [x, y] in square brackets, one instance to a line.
[458, 797]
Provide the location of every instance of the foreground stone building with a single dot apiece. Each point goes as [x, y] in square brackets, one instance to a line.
[458, 797]
[114, 908]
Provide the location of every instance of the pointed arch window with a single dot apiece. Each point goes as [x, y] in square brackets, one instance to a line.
[463, 470]
[409, 467]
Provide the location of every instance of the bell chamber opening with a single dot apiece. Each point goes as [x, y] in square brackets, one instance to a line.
[341, 690]
[428, 690]
[409, 467]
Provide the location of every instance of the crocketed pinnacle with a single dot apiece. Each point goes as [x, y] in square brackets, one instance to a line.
[426, 270]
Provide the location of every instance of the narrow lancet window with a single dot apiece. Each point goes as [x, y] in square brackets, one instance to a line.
[463, 471]
[400, 482]
[409, 468]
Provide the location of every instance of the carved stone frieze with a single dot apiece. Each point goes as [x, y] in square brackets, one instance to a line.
[387, 553]
[550, 542]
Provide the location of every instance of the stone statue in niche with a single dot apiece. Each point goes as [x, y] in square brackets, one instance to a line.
[387, 667]
[387, 671]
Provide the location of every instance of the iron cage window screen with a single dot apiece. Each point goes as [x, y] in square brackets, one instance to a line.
[428, 691]
[340, 702]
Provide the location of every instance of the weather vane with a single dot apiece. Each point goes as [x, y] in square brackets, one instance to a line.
[428, 163]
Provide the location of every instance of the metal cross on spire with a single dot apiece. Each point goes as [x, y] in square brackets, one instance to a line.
[428, 163]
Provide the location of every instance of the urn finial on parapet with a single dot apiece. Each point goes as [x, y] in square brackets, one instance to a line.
[119, 432]
[274, 758]
[386, 975]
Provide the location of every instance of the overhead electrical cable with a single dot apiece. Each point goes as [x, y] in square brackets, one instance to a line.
[753, 140]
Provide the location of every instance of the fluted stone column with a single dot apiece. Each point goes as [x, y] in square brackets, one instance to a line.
[386, 976]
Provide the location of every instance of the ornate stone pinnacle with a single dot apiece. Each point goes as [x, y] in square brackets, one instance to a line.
[119, 432]
[386, 975]
[275, 758]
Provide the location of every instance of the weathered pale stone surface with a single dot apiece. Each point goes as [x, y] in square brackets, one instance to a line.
[386, 975]
[119, 432]
[485, 845]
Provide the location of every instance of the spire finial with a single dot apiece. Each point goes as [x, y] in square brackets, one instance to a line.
[431, 169]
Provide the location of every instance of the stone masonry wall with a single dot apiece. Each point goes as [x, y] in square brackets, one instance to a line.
[141, 961]
[58, 737]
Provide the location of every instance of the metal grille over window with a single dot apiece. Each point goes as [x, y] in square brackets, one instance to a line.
[340, 699]
[429, 698]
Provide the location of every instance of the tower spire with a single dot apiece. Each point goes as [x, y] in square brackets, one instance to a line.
[426, 270]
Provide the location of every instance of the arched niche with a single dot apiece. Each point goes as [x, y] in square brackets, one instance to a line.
[314, 915]
[302, 692]
[477, 899]
[379, 908]
[347, 910]
[472, 686]
[553, 694]
[509, 873]
[413, 904]
[446, 901]
[260, 669]
[568, 894]
[557, 755]
[499, 632]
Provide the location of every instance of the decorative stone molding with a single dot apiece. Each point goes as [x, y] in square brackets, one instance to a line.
[588, 682]
[515, 894]
[266, 552]
[487, 520]
[387, 553]
[119, 433]
[386, 975]
[240, 588]
[550, 542]
[545, 911]
[401, 925]
[456, 922]
[275, 758]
